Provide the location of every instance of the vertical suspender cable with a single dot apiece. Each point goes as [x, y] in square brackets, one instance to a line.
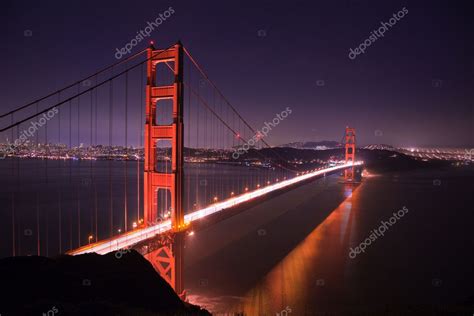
[110, 158]
[188, 129]
[13, 200]
[95, 164]
[70, 173]
[79, 166]
[17, 190]
[38, 236]
[198, 117]
[47, 184]
[126, 153]
[140, 141]
[91, 164]
[60, 187]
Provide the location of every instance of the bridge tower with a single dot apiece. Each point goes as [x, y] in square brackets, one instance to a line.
[167, 258]
[350, 146]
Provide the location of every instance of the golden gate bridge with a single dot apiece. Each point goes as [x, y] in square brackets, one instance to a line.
[190, 127]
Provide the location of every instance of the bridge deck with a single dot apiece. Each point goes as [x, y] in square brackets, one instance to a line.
[138, 235]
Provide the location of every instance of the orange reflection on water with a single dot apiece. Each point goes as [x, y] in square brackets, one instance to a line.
[318, 263]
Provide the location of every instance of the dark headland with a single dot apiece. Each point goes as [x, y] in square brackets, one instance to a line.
[87, 284]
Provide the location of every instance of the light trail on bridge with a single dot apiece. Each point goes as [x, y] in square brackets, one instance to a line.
[133, 237]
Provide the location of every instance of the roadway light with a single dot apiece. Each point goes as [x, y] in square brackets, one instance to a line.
[246, 189]
[215, 199]
[258, 185]
[232, 193]
[90, 238]
[191, 233]
[134, 225]
[119, 230]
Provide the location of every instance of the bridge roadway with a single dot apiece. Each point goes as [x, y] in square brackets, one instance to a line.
[141, 234]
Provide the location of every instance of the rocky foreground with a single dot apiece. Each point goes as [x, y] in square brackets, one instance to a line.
[88, 284]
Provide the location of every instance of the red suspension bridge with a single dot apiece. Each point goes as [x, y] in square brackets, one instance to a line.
[79, 195]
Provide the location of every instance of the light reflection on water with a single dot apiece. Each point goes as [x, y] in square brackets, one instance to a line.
[317, 263]
[315, 276]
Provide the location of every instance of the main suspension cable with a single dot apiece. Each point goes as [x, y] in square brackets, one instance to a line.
[73, 84]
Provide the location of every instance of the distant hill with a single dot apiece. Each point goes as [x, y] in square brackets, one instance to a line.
[376, 159]
[322, 145]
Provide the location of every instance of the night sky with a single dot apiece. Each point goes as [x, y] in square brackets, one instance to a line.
[412, 87]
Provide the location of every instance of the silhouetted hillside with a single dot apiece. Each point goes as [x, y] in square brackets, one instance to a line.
[377, 160]
[88, 284]
[386, 160]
